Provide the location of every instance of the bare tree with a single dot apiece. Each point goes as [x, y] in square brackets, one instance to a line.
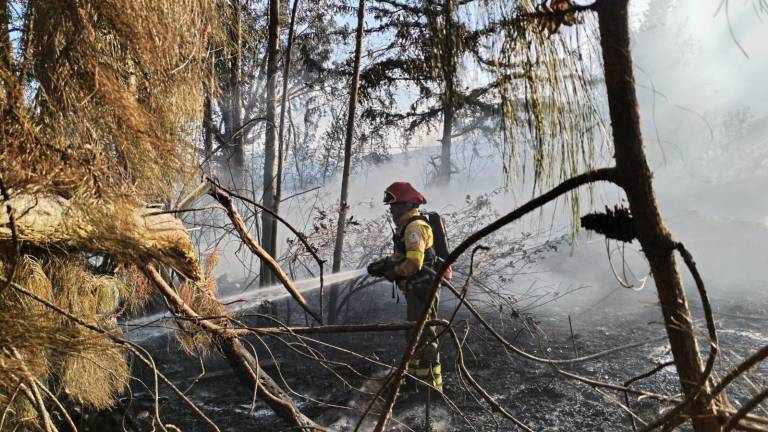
[634, 176]
[270, 140]
[237, 144]
[448, 70]
[350, 133]
[281, 144]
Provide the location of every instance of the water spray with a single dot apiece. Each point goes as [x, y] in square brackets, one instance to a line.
[156, 324]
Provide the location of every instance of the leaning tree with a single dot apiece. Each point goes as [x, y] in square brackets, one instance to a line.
[102, 105]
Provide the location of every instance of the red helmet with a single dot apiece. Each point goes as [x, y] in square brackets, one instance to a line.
[403, 192]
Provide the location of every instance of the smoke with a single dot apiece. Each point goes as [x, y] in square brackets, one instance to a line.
[705, 125]
[704, 119]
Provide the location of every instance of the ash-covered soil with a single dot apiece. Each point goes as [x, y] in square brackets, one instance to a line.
[334, 395]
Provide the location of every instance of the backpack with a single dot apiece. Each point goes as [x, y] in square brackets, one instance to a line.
[440, 236]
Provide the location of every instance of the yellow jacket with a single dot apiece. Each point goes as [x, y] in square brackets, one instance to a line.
[418, 239]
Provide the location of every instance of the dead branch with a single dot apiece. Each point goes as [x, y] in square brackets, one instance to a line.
[244, 364]
[624, 407]
[752, 360]
[651, 372]
[617, 387]
[58, 404]
[741, 413]
[532, 357]
[495, 406]
[714, 345]
[603, 174]
[9, 405]
[34, 396]
[346, 328]
[194, 195]
[465, 289]
[302, 238]
[266, 259]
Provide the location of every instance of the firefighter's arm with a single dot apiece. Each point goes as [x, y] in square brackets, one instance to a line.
[384, 267]
[416, 238]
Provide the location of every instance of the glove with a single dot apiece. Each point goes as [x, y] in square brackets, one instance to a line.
[379, 267]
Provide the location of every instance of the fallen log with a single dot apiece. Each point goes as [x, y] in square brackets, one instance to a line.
[141, 235]
[340, 328]
[135, 234]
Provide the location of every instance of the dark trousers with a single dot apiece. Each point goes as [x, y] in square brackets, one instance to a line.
[427, 359]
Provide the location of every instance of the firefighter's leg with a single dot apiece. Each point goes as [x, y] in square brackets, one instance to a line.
[431, 354]
[413, 312]
[427, 364]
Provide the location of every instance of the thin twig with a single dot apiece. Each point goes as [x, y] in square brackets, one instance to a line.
[495, 406]
[299, 193]
[266, 259]
[658, 367]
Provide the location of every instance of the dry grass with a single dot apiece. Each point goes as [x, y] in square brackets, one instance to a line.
[136, 289]
[116, 98]
[201, 297]
[90, 369]
[96, 376]
[101, 103]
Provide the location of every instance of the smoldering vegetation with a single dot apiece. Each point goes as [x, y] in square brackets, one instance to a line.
[136, 228]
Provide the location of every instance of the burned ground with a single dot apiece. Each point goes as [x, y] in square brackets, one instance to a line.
[334, 394]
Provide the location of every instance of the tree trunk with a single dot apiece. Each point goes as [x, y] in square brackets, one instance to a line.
[268, 198]
[444, 176]
[449, 78]
[237, 149]
[281, 131]
[350, 133]
[207, 132]
[635, 178]
[139, 234]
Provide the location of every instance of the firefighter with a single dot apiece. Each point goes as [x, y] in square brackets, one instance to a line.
[413, 250]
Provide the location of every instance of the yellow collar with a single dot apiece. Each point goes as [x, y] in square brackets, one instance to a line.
[403, 220]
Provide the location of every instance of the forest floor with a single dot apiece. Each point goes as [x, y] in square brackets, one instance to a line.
[534, 393]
